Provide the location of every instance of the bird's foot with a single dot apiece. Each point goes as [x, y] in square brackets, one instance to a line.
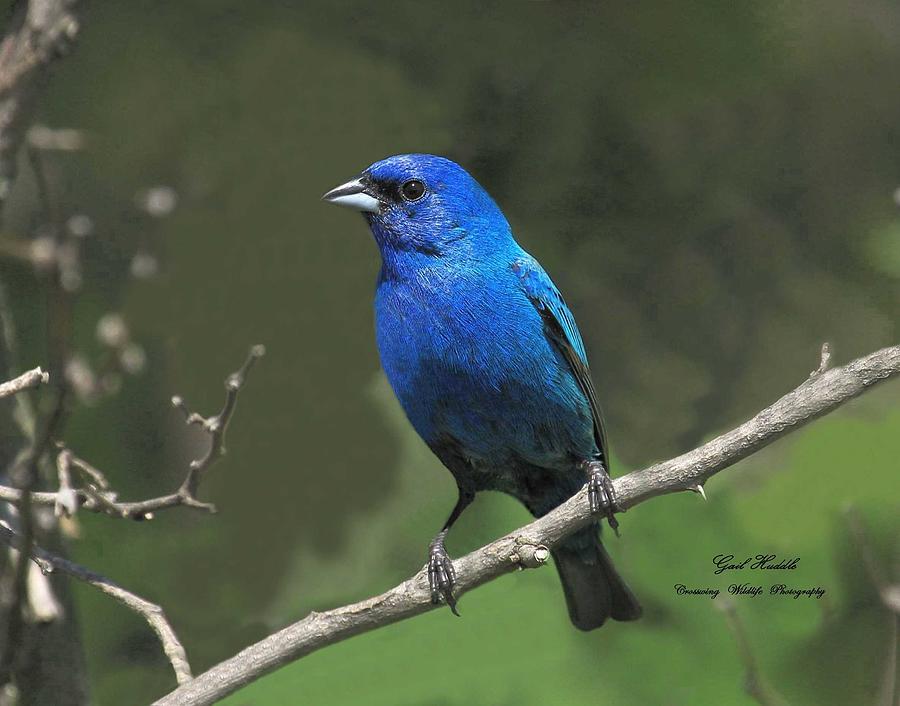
[601, 494]
[441, 574]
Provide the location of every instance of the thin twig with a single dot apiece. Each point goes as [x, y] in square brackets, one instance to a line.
[96, 495]
[216, 426]
[25, 381]
[93, 475]
[811, 400]
[151, 612]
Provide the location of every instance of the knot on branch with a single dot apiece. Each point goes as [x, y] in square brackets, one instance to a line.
[528, 555]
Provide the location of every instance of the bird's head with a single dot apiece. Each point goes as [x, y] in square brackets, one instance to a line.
[424, 205]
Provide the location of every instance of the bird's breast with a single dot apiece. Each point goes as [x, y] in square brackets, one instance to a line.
[470, 361]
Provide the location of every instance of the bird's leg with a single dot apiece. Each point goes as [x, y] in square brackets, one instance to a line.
[441, 574]
[601, 494]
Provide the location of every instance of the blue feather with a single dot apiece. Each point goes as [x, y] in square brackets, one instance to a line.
[485, 356]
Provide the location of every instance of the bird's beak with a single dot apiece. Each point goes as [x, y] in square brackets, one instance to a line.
[354, 194]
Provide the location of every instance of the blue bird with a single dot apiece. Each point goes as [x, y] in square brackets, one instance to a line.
[488, 364]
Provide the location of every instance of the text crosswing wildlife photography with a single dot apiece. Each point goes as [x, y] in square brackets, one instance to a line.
[449, 354]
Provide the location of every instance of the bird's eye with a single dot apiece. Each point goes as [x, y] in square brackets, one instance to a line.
[413, 190]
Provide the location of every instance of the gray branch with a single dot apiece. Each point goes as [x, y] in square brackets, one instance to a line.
[32, 378]
[40, 30]
[96, 495]
[152, 613]
[216, 427]
[824, 391]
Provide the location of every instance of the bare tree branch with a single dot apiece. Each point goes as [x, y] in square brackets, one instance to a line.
[96, 495]
[823, 392]
[25, 474]
[40, 30]
[216, 426]
[32, 378]
[36, 33]
[152, 613]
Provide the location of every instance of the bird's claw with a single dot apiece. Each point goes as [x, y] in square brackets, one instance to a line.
[601, 494]
[441, 576]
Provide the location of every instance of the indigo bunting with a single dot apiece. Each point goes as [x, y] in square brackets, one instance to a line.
[488, 364]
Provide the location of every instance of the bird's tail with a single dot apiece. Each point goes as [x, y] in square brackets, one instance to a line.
[594, 590]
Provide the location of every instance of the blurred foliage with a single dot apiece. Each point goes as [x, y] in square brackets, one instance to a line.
[711, 185]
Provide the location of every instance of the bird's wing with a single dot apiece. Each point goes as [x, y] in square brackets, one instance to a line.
[561, 329]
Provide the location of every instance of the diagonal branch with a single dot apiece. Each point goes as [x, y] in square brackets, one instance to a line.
[152, 613]
[823, 392]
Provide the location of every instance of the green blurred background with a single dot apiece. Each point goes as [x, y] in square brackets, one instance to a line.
[711, 184]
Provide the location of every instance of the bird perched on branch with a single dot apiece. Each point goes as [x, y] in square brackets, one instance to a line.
[488, 364]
